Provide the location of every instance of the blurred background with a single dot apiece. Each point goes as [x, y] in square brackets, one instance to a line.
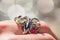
[46, 10]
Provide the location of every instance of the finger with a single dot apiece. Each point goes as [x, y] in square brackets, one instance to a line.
[44, 28]
[2, 26]
[33, 37]
[9, 26]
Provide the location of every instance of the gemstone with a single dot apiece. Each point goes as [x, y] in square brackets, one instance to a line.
[20, 20]
[27, 24]
[32, 30]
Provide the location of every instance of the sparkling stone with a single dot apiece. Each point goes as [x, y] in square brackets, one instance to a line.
[32, 30]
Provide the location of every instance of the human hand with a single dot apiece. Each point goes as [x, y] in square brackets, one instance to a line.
[9, 30]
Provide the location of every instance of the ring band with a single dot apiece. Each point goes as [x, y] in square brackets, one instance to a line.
[29, 26]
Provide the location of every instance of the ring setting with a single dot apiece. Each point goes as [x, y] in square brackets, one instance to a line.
[29, 26]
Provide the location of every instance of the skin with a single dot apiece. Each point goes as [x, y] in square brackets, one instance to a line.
[9, 27]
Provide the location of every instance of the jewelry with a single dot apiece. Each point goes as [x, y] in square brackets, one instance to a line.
[29, 26]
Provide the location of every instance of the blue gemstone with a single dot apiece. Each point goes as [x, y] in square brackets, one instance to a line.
[27, 25]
